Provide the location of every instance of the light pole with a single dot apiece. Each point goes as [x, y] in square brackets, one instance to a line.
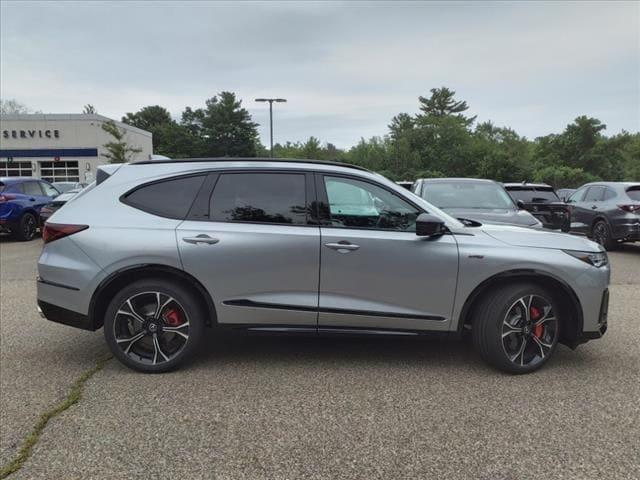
[271, 100]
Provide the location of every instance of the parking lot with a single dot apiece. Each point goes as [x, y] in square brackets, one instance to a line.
[265, 407]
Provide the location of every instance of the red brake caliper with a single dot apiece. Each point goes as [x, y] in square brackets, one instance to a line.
[535, 315]
[172, 317]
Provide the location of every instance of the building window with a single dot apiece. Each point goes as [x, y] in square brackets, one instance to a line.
[62, 171]
[15, 169]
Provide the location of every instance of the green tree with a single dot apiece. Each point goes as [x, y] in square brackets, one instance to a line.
[442, 103]
[223, 128]
[118, 150]
[89, 109]
[169, 137]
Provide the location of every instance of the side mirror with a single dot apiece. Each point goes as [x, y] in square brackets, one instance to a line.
[429, 225]
[520, 204]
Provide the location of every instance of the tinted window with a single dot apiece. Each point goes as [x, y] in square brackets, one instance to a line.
[259, 198]
[634, 192]
[533, 195]
[353, 203]
[32, 188]
[49, 190]
[467, 195]
[594, 194]
[168, 198]
[577, 196]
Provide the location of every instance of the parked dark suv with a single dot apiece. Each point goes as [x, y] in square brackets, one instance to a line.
[543, 203]
[608, 212]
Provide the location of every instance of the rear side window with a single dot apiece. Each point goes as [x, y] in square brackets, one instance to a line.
[168, 198]
[259, 198]
[634, 192]
[609, 194]
[594, 194]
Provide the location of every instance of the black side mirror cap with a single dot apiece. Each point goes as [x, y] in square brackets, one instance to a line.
[429, 226]
[520, 204]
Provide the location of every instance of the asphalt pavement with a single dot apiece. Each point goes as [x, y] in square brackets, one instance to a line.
[319, 408]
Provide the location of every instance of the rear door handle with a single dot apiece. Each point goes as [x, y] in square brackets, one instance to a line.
[594, 207]
[342, 247]
[202, 238]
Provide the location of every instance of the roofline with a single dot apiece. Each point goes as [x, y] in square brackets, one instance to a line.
[251, 159]
[457, 179]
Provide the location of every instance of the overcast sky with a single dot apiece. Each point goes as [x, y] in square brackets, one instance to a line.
[345, 69]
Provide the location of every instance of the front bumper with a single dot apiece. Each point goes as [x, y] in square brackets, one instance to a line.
[602, 320]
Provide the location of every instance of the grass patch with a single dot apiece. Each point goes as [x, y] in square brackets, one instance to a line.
[74, 395]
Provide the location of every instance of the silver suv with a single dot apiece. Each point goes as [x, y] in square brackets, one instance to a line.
[156, 252]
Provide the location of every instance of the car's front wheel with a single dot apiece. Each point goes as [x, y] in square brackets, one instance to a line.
[516, 327]
[153, 325]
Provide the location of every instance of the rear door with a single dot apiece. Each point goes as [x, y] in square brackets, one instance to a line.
[376, 273]
[253, 243]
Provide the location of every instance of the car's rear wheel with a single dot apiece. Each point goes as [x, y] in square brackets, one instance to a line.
[26, 228]
[516, 328]
[153, 325]
[602, 235]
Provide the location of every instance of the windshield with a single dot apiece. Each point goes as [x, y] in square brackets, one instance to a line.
[533, 195]
[467, 195]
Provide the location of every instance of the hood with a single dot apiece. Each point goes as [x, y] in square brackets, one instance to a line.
[495, 215]
[528, 237]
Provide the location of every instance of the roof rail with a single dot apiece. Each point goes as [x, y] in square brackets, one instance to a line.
[250, 159]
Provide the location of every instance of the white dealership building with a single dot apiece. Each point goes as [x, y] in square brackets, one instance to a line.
[61, 147]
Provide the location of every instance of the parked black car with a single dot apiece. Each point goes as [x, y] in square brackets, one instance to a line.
[479, 200]
[543, 203]
[608, 212]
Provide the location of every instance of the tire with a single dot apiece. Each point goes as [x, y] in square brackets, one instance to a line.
[499, 316]
[601, 233]
[26, 228]
[139, 317]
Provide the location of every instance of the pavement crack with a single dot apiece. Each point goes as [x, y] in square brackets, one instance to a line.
[73, 397]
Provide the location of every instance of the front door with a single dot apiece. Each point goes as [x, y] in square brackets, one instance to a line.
[588, 208]
[254, 249]
[375, 273]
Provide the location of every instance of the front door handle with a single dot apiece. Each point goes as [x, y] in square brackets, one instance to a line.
[202, 238]
[594, 207]
[342, 247]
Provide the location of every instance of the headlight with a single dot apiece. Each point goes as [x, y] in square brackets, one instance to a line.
[598, 260]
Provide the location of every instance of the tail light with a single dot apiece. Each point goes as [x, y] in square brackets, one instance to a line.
[6, 197]
[55, 231]
[631, 208]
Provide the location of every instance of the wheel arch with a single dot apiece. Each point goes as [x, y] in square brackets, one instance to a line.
[562, 292]
[120, 278]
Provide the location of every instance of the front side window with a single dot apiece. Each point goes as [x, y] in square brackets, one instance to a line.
[357, 204]
[483, 195]
[168, 198]
[594, 194]
[49, 190]
[577, 196]
[259, 198]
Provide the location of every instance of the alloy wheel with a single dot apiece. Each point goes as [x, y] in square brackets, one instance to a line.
[529, 330]
[29, 227]
[600, 233]
[151, 328]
